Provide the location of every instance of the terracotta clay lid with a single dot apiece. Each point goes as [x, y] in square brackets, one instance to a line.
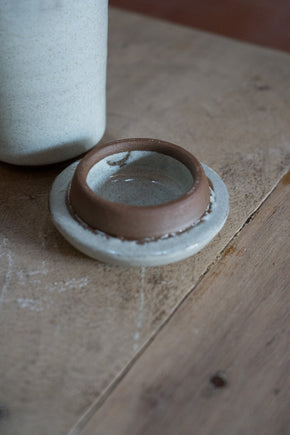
[139, 188]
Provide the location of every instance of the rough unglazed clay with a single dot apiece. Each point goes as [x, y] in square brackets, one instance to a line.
[153, 188]
[52, 79]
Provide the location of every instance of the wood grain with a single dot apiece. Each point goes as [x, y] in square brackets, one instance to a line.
[221, 364]
[70, 325]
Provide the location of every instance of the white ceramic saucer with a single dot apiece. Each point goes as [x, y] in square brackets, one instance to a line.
[167, 249]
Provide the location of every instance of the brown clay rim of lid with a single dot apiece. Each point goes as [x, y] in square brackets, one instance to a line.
[135, 222]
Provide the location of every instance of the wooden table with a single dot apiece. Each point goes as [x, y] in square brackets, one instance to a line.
[197, 347]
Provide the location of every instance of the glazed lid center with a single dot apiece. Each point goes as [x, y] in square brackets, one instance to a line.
[140, 178]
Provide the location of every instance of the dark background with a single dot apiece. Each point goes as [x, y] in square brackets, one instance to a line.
[264, 22]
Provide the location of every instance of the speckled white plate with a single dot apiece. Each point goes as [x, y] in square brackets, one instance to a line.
[165, 250]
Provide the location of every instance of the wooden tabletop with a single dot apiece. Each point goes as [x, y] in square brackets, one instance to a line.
[198, 347]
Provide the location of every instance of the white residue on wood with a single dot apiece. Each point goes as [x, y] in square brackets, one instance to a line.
[140, 311]
[32, 304]
[31, 280]
[24, 275]
[62, 286]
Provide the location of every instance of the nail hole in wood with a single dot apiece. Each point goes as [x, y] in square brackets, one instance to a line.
[219, 380]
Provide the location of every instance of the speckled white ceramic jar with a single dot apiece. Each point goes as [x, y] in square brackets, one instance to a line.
[52, 78]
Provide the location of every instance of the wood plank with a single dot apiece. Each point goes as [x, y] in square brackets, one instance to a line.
[221, 364]
[70, 325]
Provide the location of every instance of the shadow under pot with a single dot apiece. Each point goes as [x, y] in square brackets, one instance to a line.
[136, 189]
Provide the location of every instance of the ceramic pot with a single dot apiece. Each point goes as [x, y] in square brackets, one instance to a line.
[52, 78]
[139, 202]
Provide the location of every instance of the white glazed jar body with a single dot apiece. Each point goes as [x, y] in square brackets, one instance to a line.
[53, 57]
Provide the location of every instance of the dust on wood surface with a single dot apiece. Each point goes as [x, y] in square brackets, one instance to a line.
[70, 325]
[220, 366]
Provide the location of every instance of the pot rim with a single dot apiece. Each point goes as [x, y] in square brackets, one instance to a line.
[112, 217]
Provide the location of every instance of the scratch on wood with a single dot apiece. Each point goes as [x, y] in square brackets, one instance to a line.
[140, 312]
[8, 274]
